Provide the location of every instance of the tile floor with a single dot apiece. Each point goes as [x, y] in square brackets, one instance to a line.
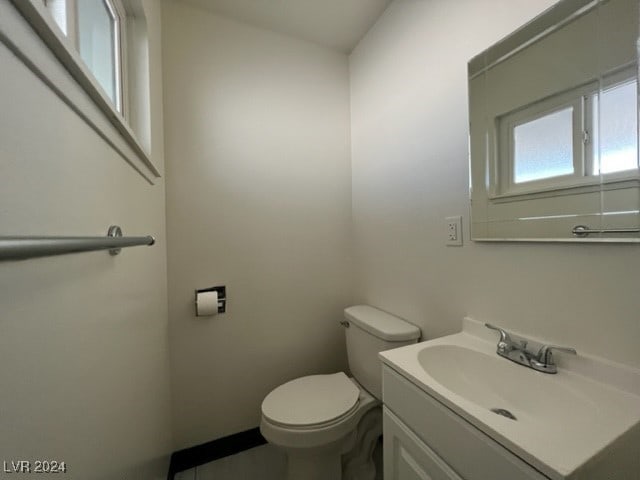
[260, 463]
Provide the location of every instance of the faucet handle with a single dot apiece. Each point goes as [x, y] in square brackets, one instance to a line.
[505, 342]
[545, 355]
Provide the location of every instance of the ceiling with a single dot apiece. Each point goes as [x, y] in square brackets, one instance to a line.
[337, 24]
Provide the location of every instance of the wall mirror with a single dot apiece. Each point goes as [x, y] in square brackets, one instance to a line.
[553, 112]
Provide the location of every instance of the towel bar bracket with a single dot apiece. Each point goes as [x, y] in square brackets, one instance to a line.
[114, 231]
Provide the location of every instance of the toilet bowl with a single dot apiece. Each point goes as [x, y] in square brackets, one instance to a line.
[328, 425]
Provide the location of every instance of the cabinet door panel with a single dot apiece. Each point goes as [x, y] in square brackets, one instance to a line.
[406, 457]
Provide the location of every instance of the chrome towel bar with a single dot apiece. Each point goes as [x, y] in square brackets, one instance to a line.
[20, 248]
[583, 230]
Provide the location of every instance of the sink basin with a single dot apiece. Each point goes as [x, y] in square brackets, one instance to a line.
[558, 423]
[492, 382]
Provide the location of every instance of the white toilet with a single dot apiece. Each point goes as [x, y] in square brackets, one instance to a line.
[328, 425]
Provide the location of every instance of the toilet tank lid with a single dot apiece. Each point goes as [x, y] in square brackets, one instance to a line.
[381, 324]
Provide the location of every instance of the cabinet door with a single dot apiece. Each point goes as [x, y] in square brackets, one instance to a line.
[406, 457]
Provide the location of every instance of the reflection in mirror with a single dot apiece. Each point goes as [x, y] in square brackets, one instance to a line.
[553, 112]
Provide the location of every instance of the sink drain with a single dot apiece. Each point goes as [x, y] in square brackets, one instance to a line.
[504, 413]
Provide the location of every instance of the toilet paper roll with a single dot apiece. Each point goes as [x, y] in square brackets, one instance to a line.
[206, 304]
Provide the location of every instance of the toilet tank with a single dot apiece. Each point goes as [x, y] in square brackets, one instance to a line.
[369, 331]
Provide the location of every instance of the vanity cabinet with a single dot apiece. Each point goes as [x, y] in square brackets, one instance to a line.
[407, 457]
[425, 440]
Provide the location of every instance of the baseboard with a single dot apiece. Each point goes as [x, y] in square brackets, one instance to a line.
[213, 450]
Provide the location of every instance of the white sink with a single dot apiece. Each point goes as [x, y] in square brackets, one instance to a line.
[491, 381]
[562, 421]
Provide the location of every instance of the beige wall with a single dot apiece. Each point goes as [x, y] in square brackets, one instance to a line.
[83, 342]
[258, 199]
[409, 154]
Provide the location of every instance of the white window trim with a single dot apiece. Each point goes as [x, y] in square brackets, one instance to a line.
[506, 157]
[115, 131]
[119, 14]
[503, 186]
[121, 56]
[119, 19]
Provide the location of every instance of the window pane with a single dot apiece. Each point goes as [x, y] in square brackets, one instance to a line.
[96, 42]
[543, 148]
[58, 10]
[618, 129]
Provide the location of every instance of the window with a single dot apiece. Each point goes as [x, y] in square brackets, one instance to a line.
[95, 28]
[103, 45]
[543, 148]
[616, 140]
[576, 138]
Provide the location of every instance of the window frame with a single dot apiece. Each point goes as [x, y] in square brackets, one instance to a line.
[506, 152]
[93, 105]
[119, 16]
[581, 99]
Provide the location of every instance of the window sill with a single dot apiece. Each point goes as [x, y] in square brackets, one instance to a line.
[589, 186]
[66, 75]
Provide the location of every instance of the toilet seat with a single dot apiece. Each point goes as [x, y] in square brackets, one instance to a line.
[325, 432]
[312, 402]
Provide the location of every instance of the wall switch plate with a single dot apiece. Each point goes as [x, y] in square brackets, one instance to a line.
[453, 228]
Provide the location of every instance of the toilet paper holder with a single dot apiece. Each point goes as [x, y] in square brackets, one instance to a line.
[222, 297]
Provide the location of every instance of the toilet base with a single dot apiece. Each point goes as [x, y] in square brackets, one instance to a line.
[318, 463]
[343, 450]
[349, 458]
[358, 464]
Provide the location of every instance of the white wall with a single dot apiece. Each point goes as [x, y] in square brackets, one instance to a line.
[258, 199]
[409, 154]
[83, 338]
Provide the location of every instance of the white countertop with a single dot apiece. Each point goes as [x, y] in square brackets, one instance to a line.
[564, 420]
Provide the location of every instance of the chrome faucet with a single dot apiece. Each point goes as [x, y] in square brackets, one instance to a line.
[541, 361]
[544, 359]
